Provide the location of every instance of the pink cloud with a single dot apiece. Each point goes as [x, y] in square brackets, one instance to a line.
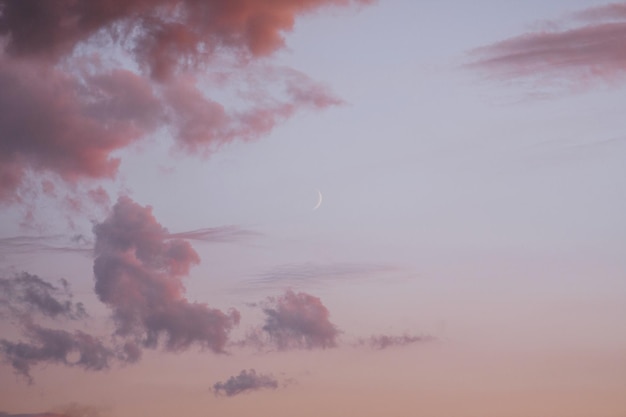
[65, 115]
[52, 122]
[139, 271]
[577, 55]
[299, 320]
[166, 33]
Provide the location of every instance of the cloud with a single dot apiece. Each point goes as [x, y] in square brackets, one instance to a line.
[386, 341]
[100, 75]
[25, 294]
[80, 121]
[161, 34]
[216, 234]
[291, 275]
[246, 381]
[577, 56]
[139, 270]
[70, 410]
[299, 320]
[45, 345]
[33, 415]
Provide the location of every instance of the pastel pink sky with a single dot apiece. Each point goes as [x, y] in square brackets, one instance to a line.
[159, 166]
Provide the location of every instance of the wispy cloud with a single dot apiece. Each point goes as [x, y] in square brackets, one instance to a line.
[312, 274]
[247, 381]
[45, 243]
[217, 234]
[25, 294]
[589, 49]
[62, 347]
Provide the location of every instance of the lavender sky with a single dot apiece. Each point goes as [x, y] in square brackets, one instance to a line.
[160, 162]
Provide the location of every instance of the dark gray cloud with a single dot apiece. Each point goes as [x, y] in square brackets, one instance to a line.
[43, 345]
[246, 381]
[26, 294]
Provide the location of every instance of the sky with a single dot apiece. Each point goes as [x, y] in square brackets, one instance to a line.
[312, 208]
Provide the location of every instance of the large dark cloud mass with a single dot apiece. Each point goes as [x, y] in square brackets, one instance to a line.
[579, 55]
[299, 320]
[246, 381]
[139, 270]
[68, 104]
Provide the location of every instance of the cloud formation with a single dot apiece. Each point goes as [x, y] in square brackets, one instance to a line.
[59, 64]
[299, 320]
[139, 270]
[216, 234]
[294, 275]
[582, 54]
[33, 415]
[62, 347]
[25, 294]
[246, 381]
[384, 341]
[160, 34]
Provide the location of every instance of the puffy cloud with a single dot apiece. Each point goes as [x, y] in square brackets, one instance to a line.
[246, 381]
[139, 270]
[583, 54]
[385, 341]
[299, 320]
[45, 345]
[53, 122]
[160, 33]
[57, 68]
[25, 294]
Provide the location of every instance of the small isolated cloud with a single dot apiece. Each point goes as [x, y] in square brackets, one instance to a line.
[246, 381]
[139, 270]
[25, 294]
[43, 345]
[299, 320]
[386, 341]
[588, 50]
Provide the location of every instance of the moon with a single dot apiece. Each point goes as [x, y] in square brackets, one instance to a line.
[319, 200]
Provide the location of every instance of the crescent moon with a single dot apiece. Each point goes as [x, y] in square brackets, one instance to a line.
[319, 200]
